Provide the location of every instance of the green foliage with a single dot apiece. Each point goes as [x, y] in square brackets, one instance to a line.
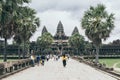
[88, 47]
[109, 62]
[27, 24]
[8, 13]
[45, 40]
[9, 60]
[97, 23]
[26, 45]
[48, 50]
[76, 40]
[17, 20]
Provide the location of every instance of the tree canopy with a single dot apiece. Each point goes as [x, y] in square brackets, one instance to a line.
[17, 20]
[98, 25]
[45, 40]
[76, 41]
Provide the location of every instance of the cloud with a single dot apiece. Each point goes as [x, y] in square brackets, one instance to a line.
[70, 13]
[64, 5]
[51, 18]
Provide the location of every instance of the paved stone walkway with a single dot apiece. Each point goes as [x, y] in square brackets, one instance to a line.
[53, 70]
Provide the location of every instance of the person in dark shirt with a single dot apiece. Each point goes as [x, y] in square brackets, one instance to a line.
[42, 60]
[38, 59]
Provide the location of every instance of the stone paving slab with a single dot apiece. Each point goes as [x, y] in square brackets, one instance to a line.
[53, 70]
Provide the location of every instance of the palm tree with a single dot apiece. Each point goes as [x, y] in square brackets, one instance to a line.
[8, 11]
[76, 41]
[18, 41]
[98, 25]
[27, 25]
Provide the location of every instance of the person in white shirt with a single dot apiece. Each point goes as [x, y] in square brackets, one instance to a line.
[32, 60]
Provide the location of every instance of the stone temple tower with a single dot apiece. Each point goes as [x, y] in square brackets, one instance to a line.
[44, 30]
[60, 34]
[75, 31]
[60, 39]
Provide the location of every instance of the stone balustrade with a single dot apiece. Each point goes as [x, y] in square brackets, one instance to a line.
[14, 66]
[97, 65]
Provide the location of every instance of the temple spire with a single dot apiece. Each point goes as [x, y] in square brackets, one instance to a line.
[60, 27]
[44, 30]
[75, 31]
[60, 31]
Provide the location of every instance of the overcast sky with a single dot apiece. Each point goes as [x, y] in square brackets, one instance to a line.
[70, 13]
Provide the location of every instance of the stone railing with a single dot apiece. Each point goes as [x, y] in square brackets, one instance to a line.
[97, 65]
[7, 68]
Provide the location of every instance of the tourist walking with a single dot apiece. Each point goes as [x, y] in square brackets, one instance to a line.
[32, 60]
[64, 58]
[38, 59]
[42, 60]
[47, 57]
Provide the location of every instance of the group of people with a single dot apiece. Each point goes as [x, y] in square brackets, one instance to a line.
[41, 59]
[37, 59]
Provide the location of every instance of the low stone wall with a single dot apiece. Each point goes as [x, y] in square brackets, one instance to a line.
[7, 68]
[97, 65]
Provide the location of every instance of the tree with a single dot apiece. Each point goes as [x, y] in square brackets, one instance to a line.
[76, 41]
[97, 24]
[89, 49]
[45, 40]
[18, 41]
[27, 25]
[8, 13]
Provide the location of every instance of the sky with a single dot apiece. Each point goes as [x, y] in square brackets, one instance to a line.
[70, 13]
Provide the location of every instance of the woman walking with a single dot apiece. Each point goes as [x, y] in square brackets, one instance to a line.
[64, 58]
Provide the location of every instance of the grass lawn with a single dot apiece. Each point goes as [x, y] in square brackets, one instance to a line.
[110, 62]
[1, 60]
[118, 65]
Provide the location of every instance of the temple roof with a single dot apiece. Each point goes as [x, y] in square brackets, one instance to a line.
[75, 30]
[44, 30]
[60, 31]
[60, 27]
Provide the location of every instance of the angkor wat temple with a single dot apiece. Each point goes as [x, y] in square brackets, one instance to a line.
[60, 42]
